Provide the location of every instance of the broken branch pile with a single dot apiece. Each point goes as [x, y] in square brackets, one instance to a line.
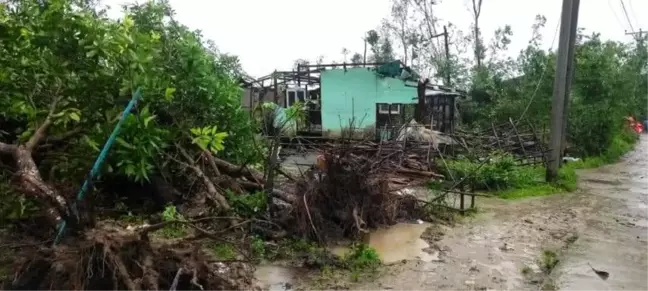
[519, 138]
[357, 189]
[110, 257]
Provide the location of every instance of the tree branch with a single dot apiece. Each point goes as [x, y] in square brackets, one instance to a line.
[40, 132]
[211, 188]
[6, 148]
[64, 136]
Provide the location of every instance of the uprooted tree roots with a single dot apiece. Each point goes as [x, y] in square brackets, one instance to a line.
[355, 193]
[109, 257]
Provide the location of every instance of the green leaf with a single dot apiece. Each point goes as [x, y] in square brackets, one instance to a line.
[200, 142]
[91, 53]
[91, 143]
[129, 170]
[218, 147]
[221, 135]
[124, 143]
[74, 116]
[168, 93]
[148, 119]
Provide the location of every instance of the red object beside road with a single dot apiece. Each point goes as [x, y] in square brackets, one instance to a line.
[638, 128]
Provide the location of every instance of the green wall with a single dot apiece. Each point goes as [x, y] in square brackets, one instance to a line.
[354, 93]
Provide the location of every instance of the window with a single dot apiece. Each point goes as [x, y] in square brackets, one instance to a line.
[294, 95]
[384, 108]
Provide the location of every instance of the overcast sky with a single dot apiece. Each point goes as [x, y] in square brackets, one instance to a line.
[271, 34]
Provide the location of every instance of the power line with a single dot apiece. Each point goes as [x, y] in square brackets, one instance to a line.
[544, 70]
[625, 12]
[615, 15]
[634, 16]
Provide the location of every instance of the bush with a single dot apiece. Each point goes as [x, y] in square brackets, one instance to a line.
[498, 173]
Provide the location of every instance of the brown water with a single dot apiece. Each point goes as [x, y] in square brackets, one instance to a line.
[393, 244]
[399, 242]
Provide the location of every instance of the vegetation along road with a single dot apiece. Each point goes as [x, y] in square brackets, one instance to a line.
[544, 242]
[128, 162]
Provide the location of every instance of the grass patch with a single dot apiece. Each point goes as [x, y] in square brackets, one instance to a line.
[549, 261]
[223, 251]
[531, 191]
[526, 270]
[506, 180]
[361, 260]
[501, 177]
[173, 230]
[536, 186]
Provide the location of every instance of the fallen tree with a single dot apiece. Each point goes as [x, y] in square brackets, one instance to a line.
[68, 71]
[111, 257]
[359, 189]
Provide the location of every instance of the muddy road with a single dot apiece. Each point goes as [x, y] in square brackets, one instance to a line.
[504, 247]
[511, 244]
[491, 250]
[614, 238]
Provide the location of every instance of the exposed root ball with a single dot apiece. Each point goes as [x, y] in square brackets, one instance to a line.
[352, 197]
[113, 258]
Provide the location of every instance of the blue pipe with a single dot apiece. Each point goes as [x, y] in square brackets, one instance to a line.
[99, 162]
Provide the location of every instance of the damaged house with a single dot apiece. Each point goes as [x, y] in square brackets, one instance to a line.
[372, 99]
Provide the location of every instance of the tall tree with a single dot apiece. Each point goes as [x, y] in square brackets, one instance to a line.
[381, 46]
[356, 58]
[345, 53]
[431, 47]
[479, 47]
[372, 39]
[400, 26]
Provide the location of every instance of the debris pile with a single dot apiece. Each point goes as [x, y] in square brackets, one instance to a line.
[358, 189]
[110, 257]
[519, 138]
[357, 186]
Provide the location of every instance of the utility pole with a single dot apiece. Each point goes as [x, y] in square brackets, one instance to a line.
[570, 75]
[422, 112]
[560, 87]
[638, 33]
[447, 55]
[638, 37]
[447, 52]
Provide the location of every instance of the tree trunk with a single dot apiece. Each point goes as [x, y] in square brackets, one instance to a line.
[420, 111]
[29, 181]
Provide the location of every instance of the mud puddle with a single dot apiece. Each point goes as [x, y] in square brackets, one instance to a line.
[486, 252]
[491, 250]
[394, 244]
[275, 277]
[398, 242]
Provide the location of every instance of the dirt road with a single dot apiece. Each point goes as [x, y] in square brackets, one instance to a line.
[509, 245]
[491, 250]
[615, 235]
[603, 224]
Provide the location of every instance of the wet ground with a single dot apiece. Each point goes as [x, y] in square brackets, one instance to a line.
[604, 224]
[614, 238]
[491, 250]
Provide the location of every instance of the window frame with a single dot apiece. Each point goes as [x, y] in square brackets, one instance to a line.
[390, 109]
[296, 98]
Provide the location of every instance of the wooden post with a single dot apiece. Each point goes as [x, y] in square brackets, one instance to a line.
[420, 111]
